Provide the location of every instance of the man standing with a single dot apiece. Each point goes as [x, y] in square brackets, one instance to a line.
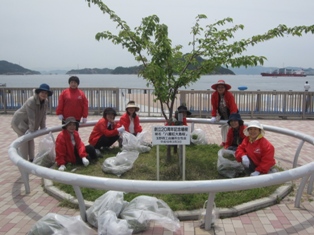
[73, 102]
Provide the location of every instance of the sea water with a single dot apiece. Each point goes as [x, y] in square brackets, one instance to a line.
[252, 82]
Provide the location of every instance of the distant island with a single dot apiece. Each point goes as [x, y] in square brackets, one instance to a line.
[7, 68]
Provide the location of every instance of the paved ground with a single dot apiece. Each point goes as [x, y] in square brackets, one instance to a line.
[18, 211]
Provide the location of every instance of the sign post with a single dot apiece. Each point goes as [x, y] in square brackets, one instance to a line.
[171, 135]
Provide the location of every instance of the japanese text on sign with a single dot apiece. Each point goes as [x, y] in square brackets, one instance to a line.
[171, 135]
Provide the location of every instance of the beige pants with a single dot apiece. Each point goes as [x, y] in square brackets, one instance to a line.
[26, 149]
[224, 132]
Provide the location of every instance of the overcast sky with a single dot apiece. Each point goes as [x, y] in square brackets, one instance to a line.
[60, 34]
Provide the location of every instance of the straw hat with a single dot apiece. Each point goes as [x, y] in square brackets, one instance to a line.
[235, 117]
[221, 82]
[254, 124]
[44, 87]
[131, 104]
[69, 120]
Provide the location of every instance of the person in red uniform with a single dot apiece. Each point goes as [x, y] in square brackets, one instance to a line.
[235, 133]
[106, 131]
[130, 119]
[255, 152]
[73, 102]
[70, 148]
[222, 101]
[185, 112]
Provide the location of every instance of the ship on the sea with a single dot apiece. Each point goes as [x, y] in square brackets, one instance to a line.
[283, 72]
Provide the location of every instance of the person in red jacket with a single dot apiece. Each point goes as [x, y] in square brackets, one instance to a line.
[106, 131]
[175, 120]
[222, 101]
[72, 102]
[235, 133]
[255, 152]
[70, 148]
[130, 119]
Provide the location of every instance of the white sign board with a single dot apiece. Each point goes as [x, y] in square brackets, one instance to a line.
[171, 135]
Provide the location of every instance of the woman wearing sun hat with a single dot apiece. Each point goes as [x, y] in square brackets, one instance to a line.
[222, 101]
[130, 119]
[235, 133]
[70, 148]
[31, 117]
[255, 152]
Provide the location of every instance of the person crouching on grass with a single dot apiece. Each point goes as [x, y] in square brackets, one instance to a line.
[70, 148]
[255, 152]
[106, 132]
[235, 133]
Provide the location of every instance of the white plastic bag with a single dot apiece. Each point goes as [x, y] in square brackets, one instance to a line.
[198, 137]
[55, 224]
[121, 163]
[227, 165]
[46, 155]
[111, 200]
[143, 209]
[215, 215]
[109, 224]
[135, 143]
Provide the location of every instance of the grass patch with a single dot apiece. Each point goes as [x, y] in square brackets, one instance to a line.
[201, 164]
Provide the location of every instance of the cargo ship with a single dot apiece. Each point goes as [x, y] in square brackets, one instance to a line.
[285, 73]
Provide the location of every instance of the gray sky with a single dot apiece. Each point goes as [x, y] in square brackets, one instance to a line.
[60, 34]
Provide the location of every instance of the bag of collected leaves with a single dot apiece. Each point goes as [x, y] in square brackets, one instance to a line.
[109, 224]
[198, 137]
[55, 224]
[138, 143]
[111, 200]
[46, 155]
[121, 163]
[227, 165]
[144, 209]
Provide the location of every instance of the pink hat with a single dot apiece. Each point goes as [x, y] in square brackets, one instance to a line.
[221, 82]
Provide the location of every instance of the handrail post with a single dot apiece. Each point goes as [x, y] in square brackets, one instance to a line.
[300, 191]
[81, 202]
[25, 178]
[209, 211]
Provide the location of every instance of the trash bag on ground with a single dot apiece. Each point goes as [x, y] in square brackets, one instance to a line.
[143, 209]
[121, 163]
[46, 155]
[227, 165]
[198, 137]
[135, 143]
[111, 200]
[109, 224]
[55, 224]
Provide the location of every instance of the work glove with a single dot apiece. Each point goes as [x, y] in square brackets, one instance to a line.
[255, 173]
[62, 168]
[213, 119]
[84, 120]
[121, 129]
[28, 132]
[60, 117]
[85, 161]
[245, 161]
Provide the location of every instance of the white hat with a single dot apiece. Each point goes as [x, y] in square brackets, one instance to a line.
[254, 124]
[131, 104]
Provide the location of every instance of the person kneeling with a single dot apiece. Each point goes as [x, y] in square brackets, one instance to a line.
[70, 148]
[255, 152]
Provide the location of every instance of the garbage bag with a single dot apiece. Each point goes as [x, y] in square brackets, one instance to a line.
[143, 209]
[111, 200]
[55, 224]
[109, 224]
[138, 143]
[198, 137]
[121, 163]
[227, 165]
[46, 151]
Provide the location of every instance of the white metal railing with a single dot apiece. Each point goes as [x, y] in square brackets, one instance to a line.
[211, 187]
[250, 103]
